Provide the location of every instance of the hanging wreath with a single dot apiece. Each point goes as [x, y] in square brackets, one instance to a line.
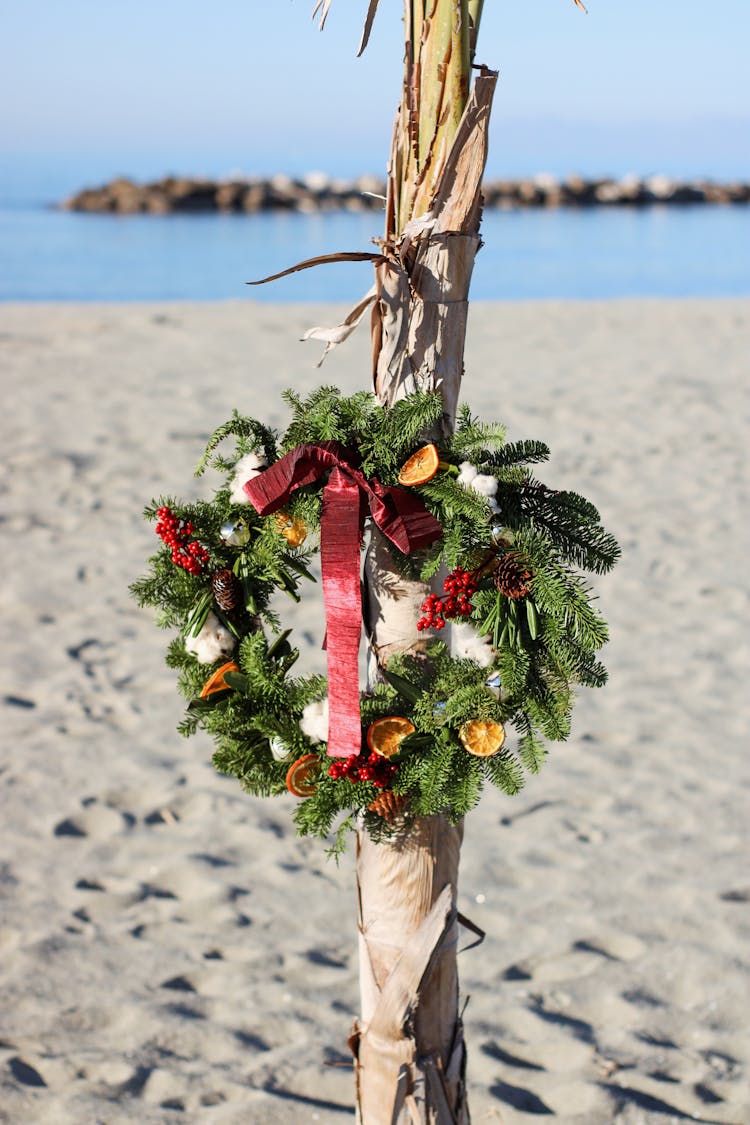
[472, 708]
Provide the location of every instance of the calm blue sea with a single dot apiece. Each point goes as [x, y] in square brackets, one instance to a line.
[666, 252]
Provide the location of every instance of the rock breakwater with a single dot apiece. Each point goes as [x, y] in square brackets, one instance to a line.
[318, 192]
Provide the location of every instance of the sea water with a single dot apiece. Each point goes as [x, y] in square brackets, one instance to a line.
[665, 251]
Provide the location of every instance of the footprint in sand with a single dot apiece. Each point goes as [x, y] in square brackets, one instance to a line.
[640, 998]
[96, 820]
[739, 895]
[24, 1072]
[521, 1099]
[583, 957]
[495, 1051]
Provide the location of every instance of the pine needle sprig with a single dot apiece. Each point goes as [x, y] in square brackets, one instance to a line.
[525, 452]
[464, 788]
[570, 521]
[326, 415]
[473, 440]
[571, 659]
[251, 436]
[567, 597]
[549, 709]
[531, 749]
[394, 434]
[315, 815]
[504, 772]
[514, 666]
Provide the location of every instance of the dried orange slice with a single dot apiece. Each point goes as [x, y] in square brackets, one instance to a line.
[420, 467]
[482, 737]
[299, 776]
[293, 530]
[216, 682]
[385, 735]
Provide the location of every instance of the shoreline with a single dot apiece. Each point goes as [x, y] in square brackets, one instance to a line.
[296, 305]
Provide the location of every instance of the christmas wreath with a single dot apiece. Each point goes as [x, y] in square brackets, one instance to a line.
[464, 512]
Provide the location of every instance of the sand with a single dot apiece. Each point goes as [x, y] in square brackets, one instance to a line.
[170, 951]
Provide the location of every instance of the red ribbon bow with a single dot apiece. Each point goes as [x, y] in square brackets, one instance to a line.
[400, 515]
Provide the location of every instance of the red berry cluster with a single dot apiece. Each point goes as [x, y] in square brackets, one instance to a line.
[177, 534]
[459, 586]
[364, 767]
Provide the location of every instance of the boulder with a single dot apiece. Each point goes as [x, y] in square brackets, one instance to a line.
[318, 192]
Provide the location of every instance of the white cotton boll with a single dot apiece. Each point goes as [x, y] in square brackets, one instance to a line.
[485, 485]
[467, 644]
[249, 466]
[314, 721]
[466, 473]
[213, 643]
[482, 483]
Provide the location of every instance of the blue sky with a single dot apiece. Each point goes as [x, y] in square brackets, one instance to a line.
[89, 88]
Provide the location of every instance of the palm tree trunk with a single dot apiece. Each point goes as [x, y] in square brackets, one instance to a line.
[409, 1049]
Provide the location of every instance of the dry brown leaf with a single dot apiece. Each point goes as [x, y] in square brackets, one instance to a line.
[322, 7]
[372, 9]
[322, 260]
[340, 332]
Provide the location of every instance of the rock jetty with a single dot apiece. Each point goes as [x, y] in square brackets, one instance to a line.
[318, 192]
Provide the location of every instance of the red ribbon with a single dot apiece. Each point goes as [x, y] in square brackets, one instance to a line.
[400, 515]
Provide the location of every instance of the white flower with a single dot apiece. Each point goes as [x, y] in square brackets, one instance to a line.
[249, 466]
[314, 721]
[467, 644]
[212, 643]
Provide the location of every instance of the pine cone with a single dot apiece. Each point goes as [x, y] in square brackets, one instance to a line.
[227, 589]
[511, 575]
[389, 805]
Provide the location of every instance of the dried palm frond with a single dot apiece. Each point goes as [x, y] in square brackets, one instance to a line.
[323, 7]
[372, 9]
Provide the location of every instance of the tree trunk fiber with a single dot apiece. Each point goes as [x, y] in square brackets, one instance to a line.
[410, 1056]
[411, 1059]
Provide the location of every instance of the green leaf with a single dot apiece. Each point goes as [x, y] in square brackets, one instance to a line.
[237, 681]
[299, 566]
[198, 614]
[202, 706]
[280, 646]
[226, 621]
[404, 687]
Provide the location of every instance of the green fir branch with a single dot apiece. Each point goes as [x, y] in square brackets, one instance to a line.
[515, 453]
[251, 436]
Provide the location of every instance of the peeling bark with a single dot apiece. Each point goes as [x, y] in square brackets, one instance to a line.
[410, 1056]
[420, 315]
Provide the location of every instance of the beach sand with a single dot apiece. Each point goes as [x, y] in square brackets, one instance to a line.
[169, 950]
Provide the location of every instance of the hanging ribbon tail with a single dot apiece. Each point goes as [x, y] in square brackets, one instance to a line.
[340, 534]
[400, 515]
